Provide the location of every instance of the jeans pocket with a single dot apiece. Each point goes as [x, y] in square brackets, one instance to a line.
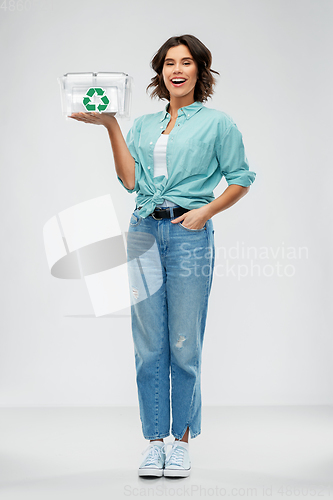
[135, 218]
[193, 230]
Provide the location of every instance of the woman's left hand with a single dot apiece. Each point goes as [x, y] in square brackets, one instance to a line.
[194, 219]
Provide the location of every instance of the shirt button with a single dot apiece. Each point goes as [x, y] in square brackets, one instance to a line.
[151, 143]
[161, 126]
[148, 168]
[188, 115]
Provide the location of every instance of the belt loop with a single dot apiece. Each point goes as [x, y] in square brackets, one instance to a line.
[171, 210]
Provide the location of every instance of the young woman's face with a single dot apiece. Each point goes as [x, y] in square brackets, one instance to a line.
[179, 71]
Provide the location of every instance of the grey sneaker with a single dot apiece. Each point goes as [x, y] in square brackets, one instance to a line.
[154, 458]
[177, 462]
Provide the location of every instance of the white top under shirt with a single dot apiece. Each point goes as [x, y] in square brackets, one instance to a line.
[160, 166]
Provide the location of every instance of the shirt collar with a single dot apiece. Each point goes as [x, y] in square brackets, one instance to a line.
[188, 111]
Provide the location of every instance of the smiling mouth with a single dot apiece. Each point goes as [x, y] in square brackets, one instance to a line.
[178, 82]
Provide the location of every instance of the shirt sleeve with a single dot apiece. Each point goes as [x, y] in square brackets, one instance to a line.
[232, 159]
[130, 139]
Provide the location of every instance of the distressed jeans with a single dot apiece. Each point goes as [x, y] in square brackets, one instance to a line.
[170, 270]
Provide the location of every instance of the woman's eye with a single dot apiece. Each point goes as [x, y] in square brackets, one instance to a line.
[185, 63]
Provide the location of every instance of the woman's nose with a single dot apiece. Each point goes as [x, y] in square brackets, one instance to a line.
[176, 67]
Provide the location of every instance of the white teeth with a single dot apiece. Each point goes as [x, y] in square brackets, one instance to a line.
[178, 80]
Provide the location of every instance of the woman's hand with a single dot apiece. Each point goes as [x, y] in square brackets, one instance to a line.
[194, 219]
[105, 119]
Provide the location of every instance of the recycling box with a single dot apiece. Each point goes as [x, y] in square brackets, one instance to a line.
[96, 92]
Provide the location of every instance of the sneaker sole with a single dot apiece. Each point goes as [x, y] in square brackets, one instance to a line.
[177, 472]
[151, 472]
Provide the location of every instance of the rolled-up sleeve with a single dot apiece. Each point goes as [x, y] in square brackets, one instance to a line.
[130, 141]
[232, 159]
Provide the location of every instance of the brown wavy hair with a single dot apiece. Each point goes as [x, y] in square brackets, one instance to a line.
[204, 87]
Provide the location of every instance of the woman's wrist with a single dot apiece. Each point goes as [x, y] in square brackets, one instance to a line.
[207, 211]
[110, 123]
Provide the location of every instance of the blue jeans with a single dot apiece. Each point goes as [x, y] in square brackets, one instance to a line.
[170, 270]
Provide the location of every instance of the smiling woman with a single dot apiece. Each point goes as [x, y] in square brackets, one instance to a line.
[173, 160]
[180, 74]
[192, 52]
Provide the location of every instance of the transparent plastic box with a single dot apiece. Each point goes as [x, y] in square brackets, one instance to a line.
[96, 92]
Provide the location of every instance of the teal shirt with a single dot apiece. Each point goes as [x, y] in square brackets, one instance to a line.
[204, 145]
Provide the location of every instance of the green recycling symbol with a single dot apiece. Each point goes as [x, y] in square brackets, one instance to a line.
[101, 94]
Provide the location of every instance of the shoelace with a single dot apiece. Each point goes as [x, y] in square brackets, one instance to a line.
[154, 455]
[175, 455]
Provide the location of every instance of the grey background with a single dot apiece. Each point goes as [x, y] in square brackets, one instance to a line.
[268, 338]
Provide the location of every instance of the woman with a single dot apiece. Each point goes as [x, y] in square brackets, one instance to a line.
[173, 160]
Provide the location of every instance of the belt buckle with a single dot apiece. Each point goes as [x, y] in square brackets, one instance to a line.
[156, 218]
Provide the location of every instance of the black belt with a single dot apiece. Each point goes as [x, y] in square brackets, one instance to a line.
[165, 213]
